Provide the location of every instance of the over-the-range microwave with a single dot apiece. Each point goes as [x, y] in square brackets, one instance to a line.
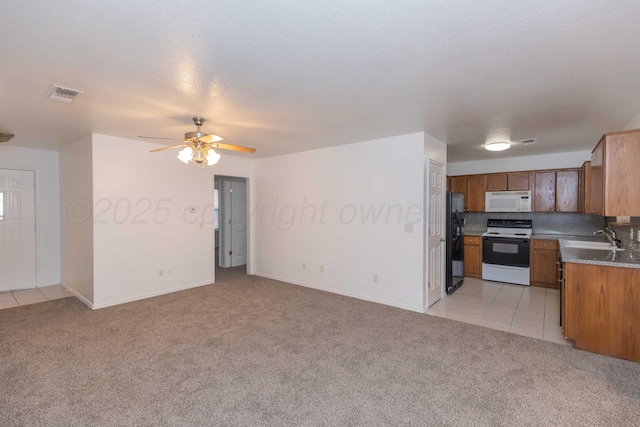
[507, 201]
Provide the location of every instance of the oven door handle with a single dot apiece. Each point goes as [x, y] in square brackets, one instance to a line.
[505, 240]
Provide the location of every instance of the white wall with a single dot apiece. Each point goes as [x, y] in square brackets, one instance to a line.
[44, 163]
[76, 195]
[142, 221]
[386, 176]
[546, 161]
[634, 123]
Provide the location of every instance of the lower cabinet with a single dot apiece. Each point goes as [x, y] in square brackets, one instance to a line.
[473, 256]
[542, 263]
[601, 309]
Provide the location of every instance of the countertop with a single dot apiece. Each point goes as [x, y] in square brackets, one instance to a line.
[625, 258]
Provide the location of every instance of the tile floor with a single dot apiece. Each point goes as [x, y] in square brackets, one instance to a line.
[32, 296]
[523, 310]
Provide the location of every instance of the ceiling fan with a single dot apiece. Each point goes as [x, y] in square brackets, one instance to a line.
[198, 147]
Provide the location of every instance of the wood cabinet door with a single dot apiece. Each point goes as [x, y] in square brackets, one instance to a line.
[497, 182]
[476, 189]
[458, 184]
[518, 181]
[597, 178]
[544, 197]
[622, 174]
[543, 268]
[567, 190]
[472, 260]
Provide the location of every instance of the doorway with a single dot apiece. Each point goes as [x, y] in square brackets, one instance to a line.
[231, 231]
[17, 230]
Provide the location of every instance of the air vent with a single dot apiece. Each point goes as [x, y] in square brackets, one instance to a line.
[529, 141]
[62, 94]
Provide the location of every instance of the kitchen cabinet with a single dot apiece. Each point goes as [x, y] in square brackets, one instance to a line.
[556, 191]
[497, 182]
[508, 181]
[475, 195]
[615, 174]
[544, 194]
[543, 259]
[458, 184]
[601, 309]
[473, 256]
[584, 190]
[567, 194]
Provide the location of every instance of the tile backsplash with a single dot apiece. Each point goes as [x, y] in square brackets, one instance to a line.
[573, 224]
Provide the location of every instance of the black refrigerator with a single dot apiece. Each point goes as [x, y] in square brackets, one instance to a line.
[455, 247]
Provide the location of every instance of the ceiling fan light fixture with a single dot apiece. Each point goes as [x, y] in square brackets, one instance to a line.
[186, 155]
[497, 146]
[212, 157]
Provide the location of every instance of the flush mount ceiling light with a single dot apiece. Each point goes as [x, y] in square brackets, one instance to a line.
[497, 146]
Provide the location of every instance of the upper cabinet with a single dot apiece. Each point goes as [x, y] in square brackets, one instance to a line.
[475, 195]
[615, 174]
[567, 190]
[584, 190]
[508, 181]
[544, 194]
[556, 191]
[552, 191]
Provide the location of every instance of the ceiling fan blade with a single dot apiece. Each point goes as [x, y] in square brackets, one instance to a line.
[211, 138]
[169, 148]
[233, 147]
[157, 137]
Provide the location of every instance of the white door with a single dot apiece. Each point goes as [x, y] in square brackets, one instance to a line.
[238, 223]
[17, 230]
[435, 241]
[233, 224]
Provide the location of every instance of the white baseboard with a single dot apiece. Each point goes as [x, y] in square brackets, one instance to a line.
[149, 295]
[77, 295]
[347, 294]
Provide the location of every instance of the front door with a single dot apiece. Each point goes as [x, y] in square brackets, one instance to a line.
[435, 272]
[17, 230]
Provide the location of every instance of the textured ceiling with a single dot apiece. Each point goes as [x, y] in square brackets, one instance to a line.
[285, 75]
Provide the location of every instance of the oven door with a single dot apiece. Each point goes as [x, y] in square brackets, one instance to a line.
[505, 251]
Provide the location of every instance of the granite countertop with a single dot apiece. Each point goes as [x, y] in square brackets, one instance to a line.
[625, 258]
[473, 232]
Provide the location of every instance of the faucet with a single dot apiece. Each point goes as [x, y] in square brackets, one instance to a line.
[611, 235]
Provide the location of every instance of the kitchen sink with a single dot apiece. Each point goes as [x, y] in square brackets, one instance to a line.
[586, 244]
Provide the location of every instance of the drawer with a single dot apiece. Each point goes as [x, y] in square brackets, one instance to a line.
[544, 244]
[472, 240]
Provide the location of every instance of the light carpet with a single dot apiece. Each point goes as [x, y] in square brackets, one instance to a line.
[253, 351]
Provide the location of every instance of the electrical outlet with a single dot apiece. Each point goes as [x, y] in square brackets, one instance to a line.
[375, 278]
[304, 265]
[322, 269]
[408, 228]
[169, 271]
[160, 273]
